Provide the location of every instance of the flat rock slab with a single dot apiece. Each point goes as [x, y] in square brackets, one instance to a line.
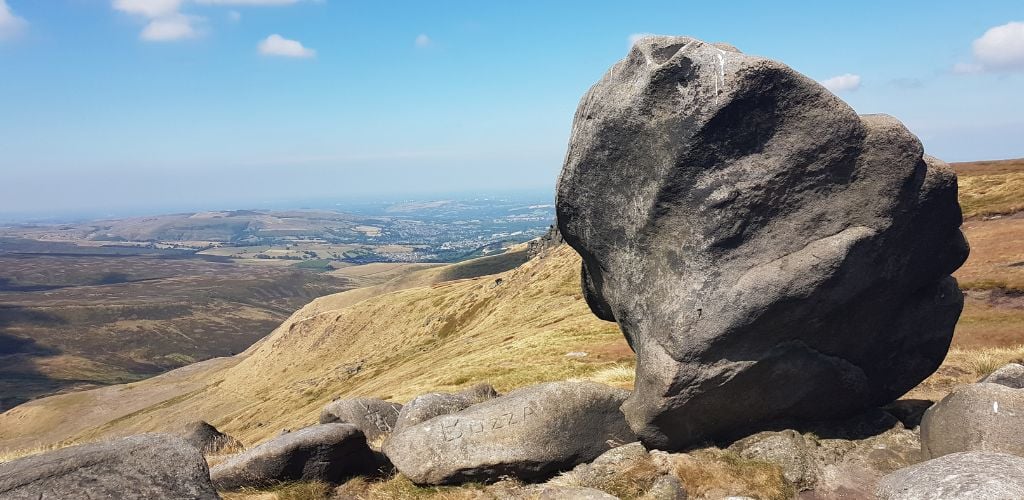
[146, 466]
[768, 254]
[529, 434]
[374, 417]
[327, 452]
[964, 475]
[975, 417]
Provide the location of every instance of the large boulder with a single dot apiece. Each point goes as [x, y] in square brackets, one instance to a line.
[975, 417]
[428, 406]
[768, 253]
[327, 452]
[529, 434]
[207, 439]
[137, 467]
[375, 417]
[958, 475]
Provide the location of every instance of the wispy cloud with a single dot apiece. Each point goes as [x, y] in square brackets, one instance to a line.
[10, 24]
[277, 45]
[247, 2]
[843, 83]
[1000, 48]
[165, 21]
[423, 41]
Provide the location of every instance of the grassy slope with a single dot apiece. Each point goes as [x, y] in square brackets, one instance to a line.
[416, 334]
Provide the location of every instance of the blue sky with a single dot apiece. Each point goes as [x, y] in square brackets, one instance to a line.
[114, 105]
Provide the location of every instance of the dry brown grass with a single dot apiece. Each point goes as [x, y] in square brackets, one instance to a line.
[989, 195]
[401, 488]
[714, 473]
[965, 366]
[997, 254]
[311, 490]
[988, 167]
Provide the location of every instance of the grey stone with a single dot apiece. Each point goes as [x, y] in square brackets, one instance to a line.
[552, 492]
[530, 434]
[767, 253]
[964, 475]
[374, 417]
[852, 469]
[326, 452]
[975, 417]
[788, 449]
[428, 406]
[137, 467]
[666, 487]
[1011, 375]
[207, 439]
[543, 244]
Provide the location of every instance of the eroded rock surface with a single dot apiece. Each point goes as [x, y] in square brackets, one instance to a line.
[327, 452]
[1011, 375]
[428, 406]
[975, 417]
[137, 467]
[528, 434]
[768, 253]
[958, 475]
[374, 417]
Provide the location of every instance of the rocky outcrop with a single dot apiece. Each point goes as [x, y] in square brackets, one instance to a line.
[529, 434]
[768, 253]
[138, 467]
[207, 439]
[958, 475]
[374, 417]
[538, 246]
[975, 417]
[428, 406]
[1011, 375]
[327, 452]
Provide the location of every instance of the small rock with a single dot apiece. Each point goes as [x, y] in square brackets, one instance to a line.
[530, 434]
[374, 417]
[1011, 375]
[666, 487]
[326, 452]
[980, 475]
[551, 492]
[975, 417]
[137, 467]
[788, 449]
[576, 354]
[428, 406]
[207, 439]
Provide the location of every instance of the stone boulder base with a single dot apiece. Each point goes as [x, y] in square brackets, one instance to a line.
[767, 253]
[138, 467]
[975, 417]
[966, 475]
[374, 417]
[327, 452]
[529, 434]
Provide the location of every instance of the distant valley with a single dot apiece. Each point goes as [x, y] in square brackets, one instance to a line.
[93, 303]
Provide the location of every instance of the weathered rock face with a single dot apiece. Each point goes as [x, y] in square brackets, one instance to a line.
[138, 467]
[1011, 375]
[375, 417]
[958, 475]
[529, 434]
[975, 417]
[428, 406]
[767, 252]
[207, 439]
[327, 452]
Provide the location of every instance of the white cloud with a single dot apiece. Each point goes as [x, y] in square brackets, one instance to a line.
[423, 40]
[843, 83]
[169, 29]
[276, 45]
[148, 8]
[10, 24]
[1000, 49]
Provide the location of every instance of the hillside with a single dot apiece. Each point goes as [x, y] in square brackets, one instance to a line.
[420, 333]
